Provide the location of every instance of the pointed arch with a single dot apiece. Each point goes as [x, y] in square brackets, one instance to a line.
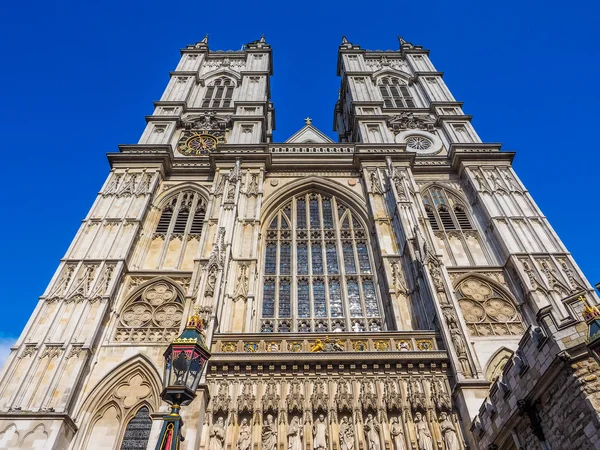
[496, 363]
[152, 313]
[394, 90]
[318, 184]
[390, 71]
[319, 269]
[488, 308]
[208, 77]
[162, 199]
[124, 389]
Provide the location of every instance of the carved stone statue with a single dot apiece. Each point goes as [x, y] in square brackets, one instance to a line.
[448, 432]
[346, 434]
[397, 434]
[424, 439]
[269, 434]
[244, 440]
[217, 435]
[320, 434]
[295, 434]
[371, 428]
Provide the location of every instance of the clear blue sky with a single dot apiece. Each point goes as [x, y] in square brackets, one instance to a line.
[78, 79]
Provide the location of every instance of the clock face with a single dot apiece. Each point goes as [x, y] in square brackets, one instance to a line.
[199, 142]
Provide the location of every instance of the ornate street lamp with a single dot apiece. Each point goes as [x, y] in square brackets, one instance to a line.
[184, 361]
[591, 314]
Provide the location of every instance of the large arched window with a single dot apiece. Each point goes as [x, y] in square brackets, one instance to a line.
[318, 269]
[487, 310]
[395, 93]
[219, 93]
[450, 220]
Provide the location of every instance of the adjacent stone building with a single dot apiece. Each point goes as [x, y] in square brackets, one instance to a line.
[397, 289]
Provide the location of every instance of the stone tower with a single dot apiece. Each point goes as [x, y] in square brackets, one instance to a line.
[399, 289]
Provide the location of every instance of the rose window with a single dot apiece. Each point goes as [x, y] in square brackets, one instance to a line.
[153, 316]
[486, 310]
[418, 143]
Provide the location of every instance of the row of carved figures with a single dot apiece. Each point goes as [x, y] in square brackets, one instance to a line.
[294, 435]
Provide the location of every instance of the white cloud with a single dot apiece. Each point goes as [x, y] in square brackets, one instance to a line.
[5, 344]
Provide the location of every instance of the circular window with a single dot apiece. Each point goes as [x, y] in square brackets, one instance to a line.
[418, 143]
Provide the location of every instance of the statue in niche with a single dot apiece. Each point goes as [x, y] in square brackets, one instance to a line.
[244, 440]
[217, 435]
[211, 281]
[320, 434]
[397, 434]
[424, 439]
[448, 432]
[295, 434]
[346, 434]
[371, 428]
[269, 434]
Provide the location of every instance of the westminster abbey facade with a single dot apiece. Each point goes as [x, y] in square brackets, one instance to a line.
[398, 289]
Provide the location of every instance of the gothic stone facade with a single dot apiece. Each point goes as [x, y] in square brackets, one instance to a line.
[398, 289]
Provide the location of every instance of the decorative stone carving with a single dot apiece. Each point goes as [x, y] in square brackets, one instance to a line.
[411, 121]
[343, 398]
[392, 398]
[241, 285]
[319, 398]
[424, 439]
[384, 61]
[154, 316]
[372, 428]
[270, 399]
[295, 398]
[320, 434]
[397, 434]
[222, 401]
[253, 185]
[368, 398]
[246, 400]
[439, 396]
[346, 434]
[375, 183]
[269, 434]
[209, 120]
[295, 434]
[217, 254]
[244, 440]
[63, 282]
[327, 346]
[217, 435]
[416, 396]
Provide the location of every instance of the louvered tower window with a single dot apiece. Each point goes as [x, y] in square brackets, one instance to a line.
[219, 93]
[395, 93]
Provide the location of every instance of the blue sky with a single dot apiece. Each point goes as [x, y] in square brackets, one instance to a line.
[78, 79]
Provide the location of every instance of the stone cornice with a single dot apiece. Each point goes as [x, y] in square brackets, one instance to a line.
[40, 415]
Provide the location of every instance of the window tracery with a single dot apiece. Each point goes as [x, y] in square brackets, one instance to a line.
[137, 432]
[219, 93]
[448, 217]
[395, 93]
[487, 310]
[154, 315]
[318, 269]
[182, 216]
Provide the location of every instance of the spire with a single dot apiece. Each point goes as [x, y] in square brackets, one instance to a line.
[262, 39]
[401, 41]
[204, 40]
[344, 40]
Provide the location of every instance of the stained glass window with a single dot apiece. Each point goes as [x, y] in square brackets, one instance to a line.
[137, 432]
[332, 263]
[317, 259]
[284, 258]
[302, 254]
[349, 264]
[269, 299]
[303, 299]
[271, 258]
[363, 257]
[319, 297]
[354, 299]
[307, 286]
[284, 299]
[335, 299]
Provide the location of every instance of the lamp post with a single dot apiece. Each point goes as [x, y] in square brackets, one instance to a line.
[591, 314]
[184, 361]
